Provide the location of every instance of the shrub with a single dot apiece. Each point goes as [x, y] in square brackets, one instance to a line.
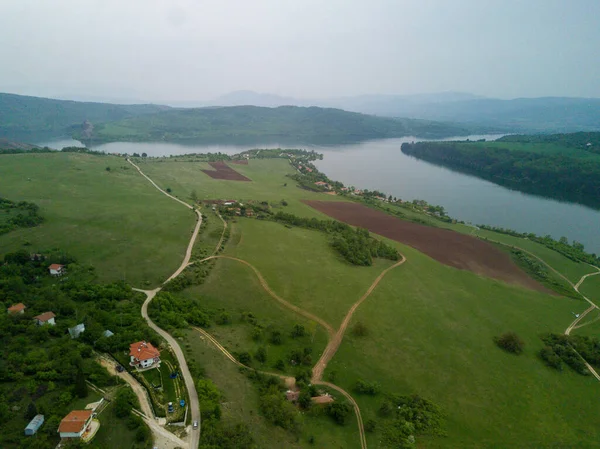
[360, 330]
[370, 388]
[370, 425]
[338, 411]
[510, 342]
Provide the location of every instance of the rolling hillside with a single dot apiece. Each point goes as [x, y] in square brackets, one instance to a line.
[28, 118]
[285, 123]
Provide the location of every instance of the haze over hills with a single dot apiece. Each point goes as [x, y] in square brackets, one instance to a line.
[547, 114]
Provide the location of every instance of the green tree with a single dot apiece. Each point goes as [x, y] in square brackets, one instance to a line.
[81, 388]
[510, 342]
[261, 355]
[31, 411]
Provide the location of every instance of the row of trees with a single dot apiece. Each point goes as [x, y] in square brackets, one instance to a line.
[574, 251]
[355, 245]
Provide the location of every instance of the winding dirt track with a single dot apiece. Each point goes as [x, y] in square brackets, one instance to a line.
[289, 381]
[274, 295]
[150, 294]
[335, 338]
[335, 342]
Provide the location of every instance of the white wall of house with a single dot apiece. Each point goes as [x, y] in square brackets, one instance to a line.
[56, 272]
[71, 434]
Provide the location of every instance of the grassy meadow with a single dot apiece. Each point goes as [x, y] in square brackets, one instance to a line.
[268, 183]
[114, 220]
[431, 331]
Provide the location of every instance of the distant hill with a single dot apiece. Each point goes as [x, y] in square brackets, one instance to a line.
[6, 144]
[546, 115]
[29, 118]
[551, 114]
[285, 123]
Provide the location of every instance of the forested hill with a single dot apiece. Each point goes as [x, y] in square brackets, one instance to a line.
[284, 123]
[562, 166]
[28, 118]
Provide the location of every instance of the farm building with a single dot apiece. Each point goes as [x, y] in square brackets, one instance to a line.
[45, 318]
[16, 309]
[75, 424]
[34, 425]
[143, 355]
[56, 269]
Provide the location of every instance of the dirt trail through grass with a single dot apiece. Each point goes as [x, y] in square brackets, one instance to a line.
[335, 342]
[289, 381]
[274, 295]
[150, 294]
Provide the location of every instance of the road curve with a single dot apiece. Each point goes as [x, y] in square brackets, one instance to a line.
[574, 324]
[274, 295]
[150, 294]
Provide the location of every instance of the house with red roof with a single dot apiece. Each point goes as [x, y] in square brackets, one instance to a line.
[45, 318]
[75, 424]
[56, 269]
[17, 309]
[144, 355]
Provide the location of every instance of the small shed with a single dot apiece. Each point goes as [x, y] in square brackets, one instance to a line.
[107, 333]
[34, 425]
[76, 331]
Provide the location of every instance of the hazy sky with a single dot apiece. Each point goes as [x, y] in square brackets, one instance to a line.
[178, 50]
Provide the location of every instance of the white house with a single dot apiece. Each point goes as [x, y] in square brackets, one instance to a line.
[45, 318]
[144, 355]
[56, 269]
[75, 424]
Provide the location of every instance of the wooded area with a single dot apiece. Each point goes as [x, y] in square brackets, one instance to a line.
[553, 174]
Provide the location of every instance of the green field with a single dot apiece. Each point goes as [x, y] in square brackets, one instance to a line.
[268, 183]
[114, 220]
[430, 328]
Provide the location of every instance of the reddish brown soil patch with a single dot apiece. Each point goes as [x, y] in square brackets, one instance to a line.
[240, 162]
[224, 171]
[448, 247]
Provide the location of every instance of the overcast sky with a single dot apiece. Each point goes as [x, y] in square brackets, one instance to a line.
[184, 50]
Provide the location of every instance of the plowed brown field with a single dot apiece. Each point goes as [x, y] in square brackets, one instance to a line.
[224, 171]
[448, 247]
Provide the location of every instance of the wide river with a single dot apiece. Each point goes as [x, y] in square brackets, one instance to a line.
[380, 165]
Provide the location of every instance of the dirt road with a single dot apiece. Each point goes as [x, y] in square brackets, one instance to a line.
[274, 295]
[334, 343]
[593, 306]
[150, 294]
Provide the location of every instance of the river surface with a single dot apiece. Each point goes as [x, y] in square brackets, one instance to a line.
[380, 165]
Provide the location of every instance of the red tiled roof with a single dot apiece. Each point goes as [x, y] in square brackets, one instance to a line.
[44, 316]
[143, 350]
[55, 266]
[74, 421]
[16, 307]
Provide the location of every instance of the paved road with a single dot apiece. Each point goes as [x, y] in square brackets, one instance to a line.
[194, 439]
